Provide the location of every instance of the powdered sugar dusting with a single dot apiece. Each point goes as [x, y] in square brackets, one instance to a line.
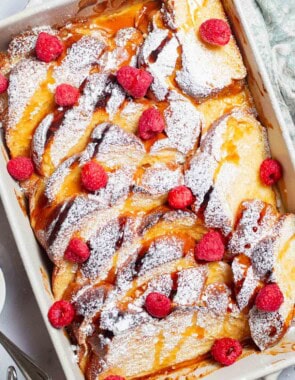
[249, 283]
[252, 227]
[40, 138]
[213, 72]
[190, 285]
[77, 119]
[80, 57]
[216, 297]
[102, 248]
[159, 179]
[25, 78]
[266, 328]
[56, 180]
[164, 64]
[23, 44]
[183, 126]
[118, 147]
[161, 251]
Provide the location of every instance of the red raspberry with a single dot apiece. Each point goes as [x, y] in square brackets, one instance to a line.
[210, 247]
[114, 377]
[66, 95]
[215, 32]
[270, 171]
[61, 314]
[93, 176]
[3, 83]
[48, 47]
[151, 122]
[180, 197]
[158, 305]
[77, 251]
[226, 350]
[134, 81]
[20, 168]
[269, 298]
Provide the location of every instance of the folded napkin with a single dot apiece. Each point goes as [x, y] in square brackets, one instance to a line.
[273, 23]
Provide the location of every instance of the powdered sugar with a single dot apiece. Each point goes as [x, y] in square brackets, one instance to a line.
[56, 180]
[213, 73]
[159, 179]
[252, 227]
[266, 328]
[164, 64]
[23, 44]
[77, 119]
[183, 126]
[190, 285]
[80, 57]
[161, 251]
[102, 248]
[25, 78]
[40, 138]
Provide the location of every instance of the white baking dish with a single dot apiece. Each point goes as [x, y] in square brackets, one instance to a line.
[34, 259]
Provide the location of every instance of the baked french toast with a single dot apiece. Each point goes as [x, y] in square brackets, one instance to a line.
[150, 186]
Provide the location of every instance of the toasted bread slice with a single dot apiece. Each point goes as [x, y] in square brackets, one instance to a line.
[264, 244]
[226, 161]
[217, 68]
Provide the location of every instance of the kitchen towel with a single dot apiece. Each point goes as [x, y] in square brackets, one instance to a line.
[273, 24]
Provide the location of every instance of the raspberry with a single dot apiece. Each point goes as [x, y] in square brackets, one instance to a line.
[48, 47]
[93, 176]
[114, 377]
[215, 32]
[269, 298]
[61, 314]
[270, 171]
[77, 251]
[150, 123]
[3, 83]
[180, 197]
[66, 95]
[134, 81]
[210, 247]
[20, 168]
[226, 350]
[158, 305]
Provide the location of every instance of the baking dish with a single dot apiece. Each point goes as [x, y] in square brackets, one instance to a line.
[35, 262]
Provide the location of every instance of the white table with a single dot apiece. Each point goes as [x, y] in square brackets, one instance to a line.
[21, 319]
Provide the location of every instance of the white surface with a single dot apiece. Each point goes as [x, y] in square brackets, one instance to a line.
[20, 319]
